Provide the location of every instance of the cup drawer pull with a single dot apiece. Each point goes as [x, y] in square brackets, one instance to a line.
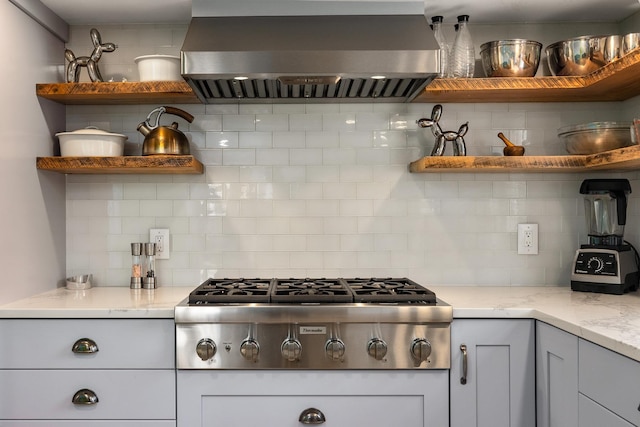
[312, 416]
[84, 397]
[85, 346]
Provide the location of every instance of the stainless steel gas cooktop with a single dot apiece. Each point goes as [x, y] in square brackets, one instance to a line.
[323, 323]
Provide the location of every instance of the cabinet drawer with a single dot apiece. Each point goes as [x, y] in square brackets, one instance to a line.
[345, 411]
[593, 415]
[121, 343]
[47, 394]
[87, 423]
[610, 379]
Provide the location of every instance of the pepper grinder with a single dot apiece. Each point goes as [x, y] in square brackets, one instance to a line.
[136, 266]
[149, 281]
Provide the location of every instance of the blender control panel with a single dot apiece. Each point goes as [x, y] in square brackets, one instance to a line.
[597, 263]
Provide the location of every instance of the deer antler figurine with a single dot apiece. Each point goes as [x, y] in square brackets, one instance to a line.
[457, 138]
[91, 62]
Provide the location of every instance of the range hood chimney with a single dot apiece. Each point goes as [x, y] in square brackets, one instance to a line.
[336, 58]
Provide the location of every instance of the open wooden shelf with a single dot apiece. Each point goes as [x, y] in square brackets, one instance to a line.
[157, 92]
[622, 159]
[158, 164]
[615, 81]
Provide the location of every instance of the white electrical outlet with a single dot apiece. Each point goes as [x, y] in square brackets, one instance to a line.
[160, 236]
[527, 239]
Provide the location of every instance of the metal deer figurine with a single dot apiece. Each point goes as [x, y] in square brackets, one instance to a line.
[91, 62]
[457, 138]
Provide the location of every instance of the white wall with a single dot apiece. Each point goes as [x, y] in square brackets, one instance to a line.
[32, 254]
[323, 190]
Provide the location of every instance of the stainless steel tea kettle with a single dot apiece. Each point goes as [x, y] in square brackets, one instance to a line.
[164, 139]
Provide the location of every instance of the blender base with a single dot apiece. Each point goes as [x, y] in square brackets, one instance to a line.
[611, 270]
[630, 284]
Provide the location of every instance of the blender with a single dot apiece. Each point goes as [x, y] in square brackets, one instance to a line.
[607, 264]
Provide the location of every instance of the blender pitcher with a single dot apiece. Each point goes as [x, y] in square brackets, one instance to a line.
[605, 203]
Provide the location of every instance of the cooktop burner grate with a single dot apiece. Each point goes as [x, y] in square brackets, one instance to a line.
[310, 291]
[389, 290]
[231, 291]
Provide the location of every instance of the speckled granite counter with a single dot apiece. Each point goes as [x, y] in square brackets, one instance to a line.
[609, 320]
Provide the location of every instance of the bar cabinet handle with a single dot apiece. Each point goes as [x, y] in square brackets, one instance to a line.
[312, 416]
[85, 346]
[463, 349]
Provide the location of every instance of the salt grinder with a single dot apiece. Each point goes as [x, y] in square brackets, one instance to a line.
[136, 266]
[149, 281]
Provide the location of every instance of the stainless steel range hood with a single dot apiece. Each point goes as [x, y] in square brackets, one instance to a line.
[343, 58]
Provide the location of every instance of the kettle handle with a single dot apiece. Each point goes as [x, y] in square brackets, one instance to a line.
[178, 112]
[160, 111]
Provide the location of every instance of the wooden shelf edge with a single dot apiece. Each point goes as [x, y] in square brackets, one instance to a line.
[615, 81]
[622, 159]
[118, 92]
[160, 164]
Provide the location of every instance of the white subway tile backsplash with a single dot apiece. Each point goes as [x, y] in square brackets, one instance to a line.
[239, 122]
[324, 190]
[222, 140]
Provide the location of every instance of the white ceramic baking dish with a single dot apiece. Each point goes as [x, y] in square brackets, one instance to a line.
[91, 142]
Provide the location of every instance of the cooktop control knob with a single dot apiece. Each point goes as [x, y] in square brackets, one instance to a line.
[377, 348]
[249, 349]
[420, 349]
[291, 349]
[334, 349]
[206, 349]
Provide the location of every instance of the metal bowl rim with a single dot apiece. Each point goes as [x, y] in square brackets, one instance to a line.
[593, 126]
[575, 39]
[509, 42]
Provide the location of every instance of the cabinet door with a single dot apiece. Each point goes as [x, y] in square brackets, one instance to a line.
[557, 377]
[500, 381]
[594, 415]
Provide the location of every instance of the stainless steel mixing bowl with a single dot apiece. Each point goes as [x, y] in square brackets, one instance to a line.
[582, 55]
[596, 137]
[510, 58]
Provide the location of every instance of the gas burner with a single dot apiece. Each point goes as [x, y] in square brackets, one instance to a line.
[389, 290]
[231, 291]
[310, 291]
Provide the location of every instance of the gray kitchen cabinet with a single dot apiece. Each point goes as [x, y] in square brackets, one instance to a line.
[556, 377]
[90, 372]
[499, 386]
[235, 398]
[609, 386]
[594, 415]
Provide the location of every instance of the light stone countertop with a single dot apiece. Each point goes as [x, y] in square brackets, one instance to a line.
[612, 321]
[98, 302]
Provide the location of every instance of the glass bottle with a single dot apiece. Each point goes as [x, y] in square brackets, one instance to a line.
[136, 266]
[149, 280]
[463, 52]
[445, 50]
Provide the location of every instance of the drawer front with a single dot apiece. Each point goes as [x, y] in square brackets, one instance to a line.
[121, 343]
[88, 423]
[343, 411]
[593, 415]
[610, 379]
[48, 394]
